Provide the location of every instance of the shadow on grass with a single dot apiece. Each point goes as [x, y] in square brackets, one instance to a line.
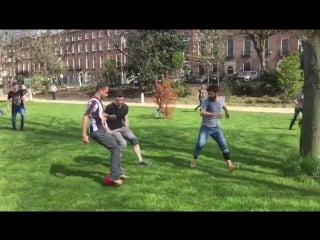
[92, 160]
[59, 170]
[189, 110]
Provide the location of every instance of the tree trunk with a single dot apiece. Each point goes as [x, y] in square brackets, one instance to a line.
[310, 130]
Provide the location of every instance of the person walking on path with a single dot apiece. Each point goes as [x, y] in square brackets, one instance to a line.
[201, 96]
[53, 90]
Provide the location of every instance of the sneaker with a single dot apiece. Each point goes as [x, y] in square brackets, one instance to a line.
[145, 163]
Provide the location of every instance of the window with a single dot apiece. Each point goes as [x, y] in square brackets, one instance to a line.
[284, 47]
[118, 60]
[73, 63]
[86, 36]
[67, 38]
[246, 66]
[100, 33]
[93, 47]
[79, 36]
[214, 68]
[73, 48]
[87, 62]
[80, 62]
[109, 33]
[61, 50]
[109, 46]
[186, 36]
[266, 46]
[94, 62]
[101, 62]
[246, 46]
[67, 63]
[56, 51]
[101, 46]
[79, 48]
[67, 49]
[29, 67]
[94, 34]
[230, 44]
[87, 47]
[73, 38]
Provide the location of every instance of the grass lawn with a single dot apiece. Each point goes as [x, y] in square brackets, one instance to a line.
[47, 168]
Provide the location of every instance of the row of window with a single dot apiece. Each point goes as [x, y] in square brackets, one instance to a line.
[247, 47]
[95, 46]
[78, 36]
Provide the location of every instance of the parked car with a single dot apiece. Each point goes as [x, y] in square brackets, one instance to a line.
[133, 80]
[247, 76]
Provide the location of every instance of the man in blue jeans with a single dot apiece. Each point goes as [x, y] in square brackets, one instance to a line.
[18, 105]
[298, 101]
[211, 114]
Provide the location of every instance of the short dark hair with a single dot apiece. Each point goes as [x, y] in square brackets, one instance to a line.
[101, 85]
[213, 88]
[119, 93]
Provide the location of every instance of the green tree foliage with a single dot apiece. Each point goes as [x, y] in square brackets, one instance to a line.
[151, 52]
[210, 51]
[290, 75]
[110, 71]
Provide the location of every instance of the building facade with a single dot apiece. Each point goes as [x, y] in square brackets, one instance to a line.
[83, 54]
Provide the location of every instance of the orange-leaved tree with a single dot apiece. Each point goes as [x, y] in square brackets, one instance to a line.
[165, 96]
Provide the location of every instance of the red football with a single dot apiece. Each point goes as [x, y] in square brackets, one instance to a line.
[107, 180]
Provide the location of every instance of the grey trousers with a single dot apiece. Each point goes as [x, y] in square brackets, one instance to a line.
[123, 135]
[109, 141]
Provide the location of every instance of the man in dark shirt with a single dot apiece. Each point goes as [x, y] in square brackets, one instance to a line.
[18, 105]
[118, 123]
[100, 132]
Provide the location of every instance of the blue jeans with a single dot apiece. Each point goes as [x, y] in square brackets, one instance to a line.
[14, 111]
[217, 134]
[295, 116]
[200, 102]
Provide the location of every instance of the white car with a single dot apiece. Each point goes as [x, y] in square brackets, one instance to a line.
[248, 76]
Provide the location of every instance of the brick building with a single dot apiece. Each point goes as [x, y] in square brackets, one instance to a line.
[83, 54]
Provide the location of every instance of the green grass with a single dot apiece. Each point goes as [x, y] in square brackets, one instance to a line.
[47, 168]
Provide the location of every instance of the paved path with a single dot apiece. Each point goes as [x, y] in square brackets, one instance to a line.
[188, 106]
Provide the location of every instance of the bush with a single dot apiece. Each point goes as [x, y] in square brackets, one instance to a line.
[291, 166]
[242, 89]
[311, 166]
[270, 85]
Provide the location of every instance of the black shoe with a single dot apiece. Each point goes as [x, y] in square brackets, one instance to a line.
[145, 163]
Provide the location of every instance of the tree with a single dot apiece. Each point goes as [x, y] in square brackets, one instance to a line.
[151, 52]
[290, 75]
[110, 71]
[165, 96]
[310, 130]
[44, 50]
[40, 48]
[259, 39]
[210, 51]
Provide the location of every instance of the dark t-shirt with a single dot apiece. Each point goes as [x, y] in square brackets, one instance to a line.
[16, 97]
[120, 115]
